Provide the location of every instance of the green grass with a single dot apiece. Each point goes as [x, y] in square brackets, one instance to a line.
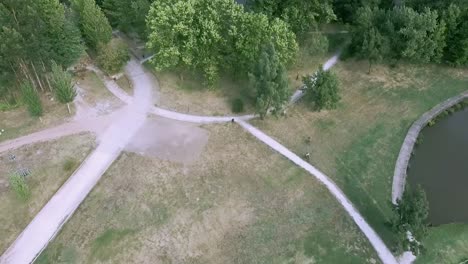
[358, 143]
[104, 246]
[446, 244]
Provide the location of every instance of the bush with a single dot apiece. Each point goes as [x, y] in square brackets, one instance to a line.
[237, 106]
[31, 99]
[20, 187]
[112, 56]
[62, 84]
[322, 90]
[69, 164]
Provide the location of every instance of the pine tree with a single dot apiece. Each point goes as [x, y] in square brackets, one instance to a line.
[93, 23]
[62, 84]
[270, 82]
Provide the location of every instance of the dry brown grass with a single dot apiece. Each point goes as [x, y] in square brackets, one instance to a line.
[239, 202]
[18, 122]
[46, 163]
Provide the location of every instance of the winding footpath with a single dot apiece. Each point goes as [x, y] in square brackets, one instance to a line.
[60, 208]
[43, 228]
[383, 252]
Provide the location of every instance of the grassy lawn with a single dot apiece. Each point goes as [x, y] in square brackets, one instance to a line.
[222, 208]
[50, 164]
[358, 143]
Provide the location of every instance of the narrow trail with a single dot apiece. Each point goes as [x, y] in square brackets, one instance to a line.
[93, 125]
[384, 253]
[47, 223]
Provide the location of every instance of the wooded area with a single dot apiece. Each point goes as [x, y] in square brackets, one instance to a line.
[220, 36]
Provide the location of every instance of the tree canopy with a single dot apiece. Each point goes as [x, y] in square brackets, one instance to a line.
[213, 35]
[322, 89]
[270, 82]
[302, 16]
[127, 15]
[93, 23]
[400, 33]
[37, 31]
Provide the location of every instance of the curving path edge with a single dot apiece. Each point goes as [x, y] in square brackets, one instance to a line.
[401, 166]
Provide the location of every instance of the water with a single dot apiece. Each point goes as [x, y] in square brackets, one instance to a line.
[440, 166]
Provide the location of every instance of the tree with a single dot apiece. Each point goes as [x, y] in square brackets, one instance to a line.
[270, 82]
[35, 32]
[62, 85]
[31, 99]
[400, 33]
[213, 35]
[93, 23]
[302, 16]
[127, 15]
[367, 42]
[322, 89]
[410, 215]
[456, 50]
[113, 56]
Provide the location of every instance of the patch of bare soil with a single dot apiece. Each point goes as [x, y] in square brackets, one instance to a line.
[169, 140]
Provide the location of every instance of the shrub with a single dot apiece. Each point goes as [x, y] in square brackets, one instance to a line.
[20, 187]
[112, 56]
[31, 99]
[62, 84]
[322, 90]
[237, 106]
[69, 164]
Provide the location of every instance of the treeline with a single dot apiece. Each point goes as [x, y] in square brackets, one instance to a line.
[37, 35]
[412, 32]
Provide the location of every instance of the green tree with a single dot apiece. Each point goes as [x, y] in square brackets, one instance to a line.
[127, 15]
[93, 23]
[322, 89]
[31, 99]
[367, 42]
[62, 84]
[113, 56]
[302, 16]
[400, 33]
[34, 33]
[270, 82]
[456, 50]
[213, 35]
[410, 215]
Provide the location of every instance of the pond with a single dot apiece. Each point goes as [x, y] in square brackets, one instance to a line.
[440, 166]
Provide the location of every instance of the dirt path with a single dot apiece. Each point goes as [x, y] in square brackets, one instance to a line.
[60, 208]
[384, 253]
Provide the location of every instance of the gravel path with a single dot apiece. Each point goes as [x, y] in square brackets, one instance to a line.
[47, 223]
[384, 253]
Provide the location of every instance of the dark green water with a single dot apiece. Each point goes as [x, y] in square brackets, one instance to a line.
[440, 166]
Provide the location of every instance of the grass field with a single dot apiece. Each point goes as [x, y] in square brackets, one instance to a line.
[185, 92]
[239, 202]
[50, 164]
[17, 122]
[358, 143]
